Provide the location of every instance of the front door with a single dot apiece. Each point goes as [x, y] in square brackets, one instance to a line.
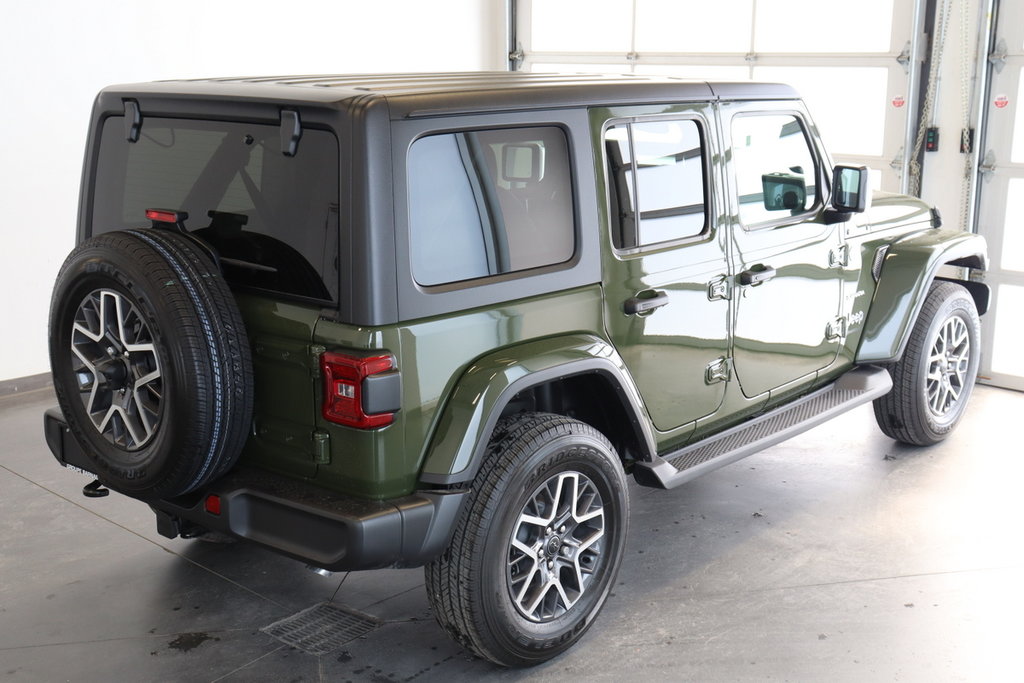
[787, 262]
[665, 271]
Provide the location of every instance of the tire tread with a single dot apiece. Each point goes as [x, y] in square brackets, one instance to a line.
[453, 578]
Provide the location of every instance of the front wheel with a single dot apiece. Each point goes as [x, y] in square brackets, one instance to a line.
[933, 381]
[538, 545]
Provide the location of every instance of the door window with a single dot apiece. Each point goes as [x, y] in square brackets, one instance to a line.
[775, 169]
[658, 186]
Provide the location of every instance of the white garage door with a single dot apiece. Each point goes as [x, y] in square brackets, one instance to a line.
[1001, 216]
[857, 88]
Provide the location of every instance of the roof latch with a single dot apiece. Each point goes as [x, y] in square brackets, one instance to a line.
[291, 131]
[132, 120]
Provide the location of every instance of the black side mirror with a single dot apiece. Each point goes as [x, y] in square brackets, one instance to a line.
[850, 191]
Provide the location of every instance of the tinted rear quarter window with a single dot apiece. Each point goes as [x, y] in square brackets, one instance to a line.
[272, 218]
[489, 202]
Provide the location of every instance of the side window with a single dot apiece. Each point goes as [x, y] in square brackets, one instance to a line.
[658, 193]
[775, 168]
[489, 202]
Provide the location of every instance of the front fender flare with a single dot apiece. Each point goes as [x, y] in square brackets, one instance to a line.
[474, 407]
[908, 270]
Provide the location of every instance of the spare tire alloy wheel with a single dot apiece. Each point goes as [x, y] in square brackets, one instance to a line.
[119, 376]
[151, 362]
[539, 542]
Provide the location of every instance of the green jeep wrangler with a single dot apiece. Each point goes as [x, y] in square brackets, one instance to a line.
[403, 320]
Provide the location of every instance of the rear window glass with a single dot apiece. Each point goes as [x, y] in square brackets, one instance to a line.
[273, 219]
[489, 202]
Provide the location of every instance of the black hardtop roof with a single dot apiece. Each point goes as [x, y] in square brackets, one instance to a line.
[423, 94]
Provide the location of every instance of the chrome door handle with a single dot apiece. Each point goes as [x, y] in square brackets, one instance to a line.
[756, 275]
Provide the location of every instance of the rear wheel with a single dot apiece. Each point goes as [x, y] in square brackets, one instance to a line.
[539, 543]
[933, 381]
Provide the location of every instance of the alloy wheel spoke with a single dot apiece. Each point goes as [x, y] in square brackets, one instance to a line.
[118, 368]
[948, 365]
[555, 547]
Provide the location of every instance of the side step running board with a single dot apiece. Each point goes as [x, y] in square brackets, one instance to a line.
[852, 389]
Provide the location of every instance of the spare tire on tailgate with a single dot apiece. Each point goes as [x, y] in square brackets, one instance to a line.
[151, 362]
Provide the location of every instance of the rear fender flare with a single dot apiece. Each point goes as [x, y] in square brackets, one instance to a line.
[475, 405]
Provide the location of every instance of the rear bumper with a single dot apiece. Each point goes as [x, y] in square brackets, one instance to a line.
[295, 518]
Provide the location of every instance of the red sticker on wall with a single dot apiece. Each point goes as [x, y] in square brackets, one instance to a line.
[1001, 101]
[898, 101]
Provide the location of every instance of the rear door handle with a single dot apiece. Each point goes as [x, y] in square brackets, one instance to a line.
[757, 274]
[645, 303]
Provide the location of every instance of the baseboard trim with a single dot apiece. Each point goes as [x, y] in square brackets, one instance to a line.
[20, 385]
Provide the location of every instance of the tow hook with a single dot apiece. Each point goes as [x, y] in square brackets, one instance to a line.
[95, 489]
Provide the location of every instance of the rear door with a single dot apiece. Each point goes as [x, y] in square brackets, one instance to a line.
[665, 266]
[788, 261]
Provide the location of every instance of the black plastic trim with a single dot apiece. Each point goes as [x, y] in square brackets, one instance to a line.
[980, 292]
[298, 519]
[62, 444]
[382, 393]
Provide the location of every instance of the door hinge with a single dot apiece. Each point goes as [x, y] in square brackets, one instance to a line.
[516, 57]
[718, 289]
[988, 165]
[998, 56]
[897, 161]
[321, 448]
[718, 370]
[836, 329]
[903, 58]
[132, 120]
[315, 351]
[839, 256]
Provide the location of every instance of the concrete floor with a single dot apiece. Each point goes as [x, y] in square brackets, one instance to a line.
[837, 556]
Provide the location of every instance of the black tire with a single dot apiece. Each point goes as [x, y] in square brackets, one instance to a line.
[933, 381]
[485, 591]
[151, 363]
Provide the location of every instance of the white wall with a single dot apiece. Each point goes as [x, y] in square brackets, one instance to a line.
[56, 54]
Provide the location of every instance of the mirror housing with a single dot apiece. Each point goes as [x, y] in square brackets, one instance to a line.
[851, 191]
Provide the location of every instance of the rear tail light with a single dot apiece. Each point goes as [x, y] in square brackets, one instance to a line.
[345, 389]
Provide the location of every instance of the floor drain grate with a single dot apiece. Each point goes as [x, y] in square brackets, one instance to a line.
[322, 628]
